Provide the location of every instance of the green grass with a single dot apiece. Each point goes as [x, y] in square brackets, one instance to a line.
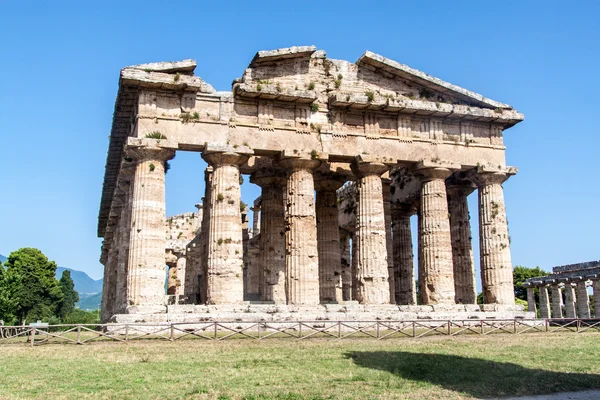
[428, 368]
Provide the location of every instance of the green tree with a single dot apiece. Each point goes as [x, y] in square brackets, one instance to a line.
[520, 274]
[9, 281]
[70, 295]
[37, 293]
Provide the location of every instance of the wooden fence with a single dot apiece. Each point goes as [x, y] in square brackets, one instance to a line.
[299, 330]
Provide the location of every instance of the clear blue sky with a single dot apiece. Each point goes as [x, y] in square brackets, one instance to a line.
[60, 62]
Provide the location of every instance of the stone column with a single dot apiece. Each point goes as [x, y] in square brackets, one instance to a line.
[180, 282]
[405, 292]
[346, 265]
[110, 271]
[494, 243]
[544, 302]
[172, 278]
[596, 283]
[570, 309]
[302, 260]
[436, 274]
[389, 243]
[460, 234]
[272, 235]
[354, 267]
[225, 282]
[146, 283]
[583, 300]
[531, 300]
[328, 240]
[372, 267]
[557, 301]
[124, 185]
[256, 222]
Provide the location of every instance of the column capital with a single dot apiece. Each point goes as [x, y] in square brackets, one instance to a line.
[459, 187]
[403, 210]
[221, 158]
[367, 166]
[150, 149]
[269, 176]
[298, 163]
[431, 170]
[328, 184]
[486, 175]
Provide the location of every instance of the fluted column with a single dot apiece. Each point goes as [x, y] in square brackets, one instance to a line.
[180, 282]
[531, 300]
[596, 283]
[436, 274]
[404, 268]
[544, 302]
[583, 300]
[372, 285]
[346, 265]
[494, 243]
[146, 271]
[460, 235]
[389, 244]
[225, 282]
[172, 278]
[110, 271]
[570, 298]
[272, 236]
[354, 267]
[328, 241]
[557, 301]
[302, 260]
[124, 184]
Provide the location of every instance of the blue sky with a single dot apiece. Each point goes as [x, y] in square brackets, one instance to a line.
[60, 62]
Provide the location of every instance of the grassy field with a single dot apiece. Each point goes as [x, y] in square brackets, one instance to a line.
[429, 368]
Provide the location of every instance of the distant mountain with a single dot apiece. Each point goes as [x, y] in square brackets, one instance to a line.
[83, 283]
[89, 302]
[2, 258]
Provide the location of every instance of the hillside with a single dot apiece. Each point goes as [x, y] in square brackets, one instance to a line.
[83, 283]
[2, 258]
[89, 302]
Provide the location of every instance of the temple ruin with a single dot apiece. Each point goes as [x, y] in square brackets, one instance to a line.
[345, 153]
[564, 293]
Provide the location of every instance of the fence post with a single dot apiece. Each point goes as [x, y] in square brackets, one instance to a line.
[78, 334]
[514, 326]
[449, 328]
[126, 332]
[546, 323]
[414, 329]
[172, 333]
[32, 336]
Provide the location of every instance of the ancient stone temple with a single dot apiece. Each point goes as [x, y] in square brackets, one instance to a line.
[345, 154]
[564, 293]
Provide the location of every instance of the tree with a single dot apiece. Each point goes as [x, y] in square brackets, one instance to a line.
[9, 281]
[70, 295]
[37, 293]
[520, 274]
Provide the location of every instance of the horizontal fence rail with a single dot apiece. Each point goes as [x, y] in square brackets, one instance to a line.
[299, 330]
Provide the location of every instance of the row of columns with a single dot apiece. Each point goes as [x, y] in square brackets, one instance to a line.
[576, 302]
[300, 242]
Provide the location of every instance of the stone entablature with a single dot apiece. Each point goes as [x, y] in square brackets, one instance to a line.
[302, 125]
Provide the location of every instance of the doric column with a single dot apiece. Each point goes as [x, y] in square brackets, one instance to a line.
[389, 244]
[124, 185]
[583, 300]
[494, 242]
[531, 300]
[436, 274]
[171, 262]
[557, 301]
[302, 260]
[544, 302]
[570, 309]
[328, 240]
[372, 268]
[225, 282]
[256, 222]
[596, 286]
[354, 267]
[111, 238]
[180, 282]
[460, 234]
[272, 235]
[346, 265]
[146, 270]
[404, 268]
